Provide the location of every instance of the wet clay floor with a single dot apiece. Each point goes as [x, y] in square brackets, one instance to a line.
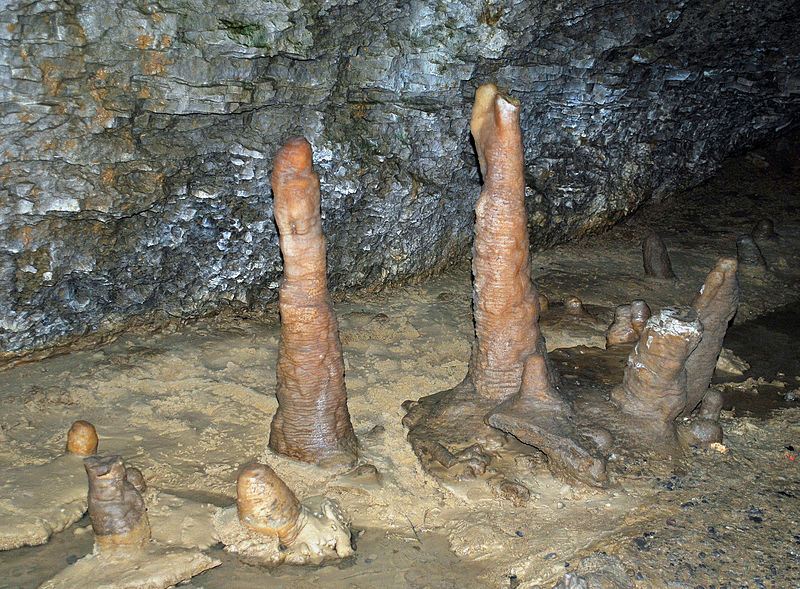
[189, 404]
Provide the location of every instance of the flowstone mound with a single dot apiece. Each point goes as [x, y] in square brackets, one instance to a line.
[269, 526]
[30, 512]
[312, 422]
[512, 405]
[124, 555]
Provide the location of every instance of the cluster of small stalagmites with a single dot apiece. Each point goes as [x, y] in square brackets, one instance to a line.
[670, 369]
[628, 324]
[269, 526]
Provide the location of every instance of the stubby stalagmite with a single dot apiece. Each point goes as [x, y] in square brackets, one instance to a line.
[312, 423]
[269, 526]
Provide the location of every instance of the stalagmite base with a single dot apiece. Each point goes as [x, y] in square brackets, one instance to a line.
[312, 422]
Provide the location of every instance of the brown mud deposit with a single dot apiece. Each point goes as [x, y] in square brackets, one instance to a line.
[188, 406]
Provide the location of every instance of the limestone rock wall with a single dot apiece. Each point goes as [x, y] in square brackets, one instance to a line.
[136, 137]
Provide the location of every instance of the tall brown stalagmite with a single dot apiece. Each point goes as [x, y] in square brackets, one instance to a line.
[312, 422]
[509, 361]
[511, 384]
[716, 305]
[505, 302]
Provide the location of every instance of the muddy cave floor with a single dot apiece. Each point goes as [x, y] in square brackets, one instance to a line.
[189, 404]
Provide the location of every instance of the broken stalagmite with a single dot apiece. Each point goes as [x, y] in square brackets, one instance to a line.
[116, 508]
[653, 388]
[655, 257]
[312, 422]
[629, 321]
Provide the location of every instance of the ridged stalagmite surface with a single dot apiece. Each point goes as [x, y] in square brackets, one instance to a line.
[266, 504]
[312, 422]
[716, 305]
[117, 510]
[505, 302]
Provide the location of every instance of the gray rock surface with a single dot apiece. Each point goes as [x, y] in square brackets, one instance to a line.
[137, 137]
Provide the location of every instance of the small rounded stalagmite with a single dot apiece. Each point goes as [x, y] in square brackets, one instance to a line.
[656, 258]
[544, 303]
[640, 313]
[82, 439]
[269, 526]
[574, 306]
[621, 329]
[628, 324]
[266, 504]
[765, 230]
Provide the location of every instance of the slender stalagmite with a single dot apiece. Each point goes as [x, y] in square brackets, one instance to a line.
[716, 305]
[509, 361]
[312, 422]
[116, 508]
[749, 254]
[511, 384]
[505, 302]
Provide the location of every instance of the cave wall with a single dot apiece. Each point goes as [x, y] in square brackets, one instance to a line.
[137, 137]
